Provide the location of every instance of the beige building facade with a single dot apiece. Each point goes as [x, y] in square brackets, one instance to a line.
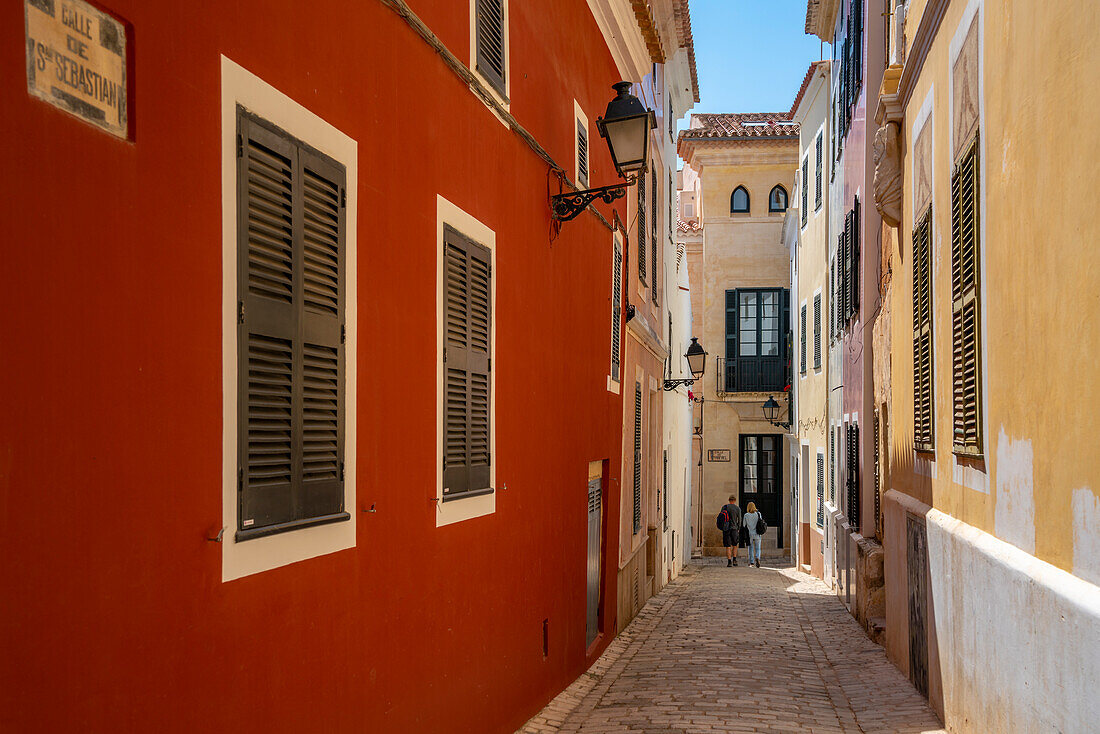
[741, 273]
[810, 307]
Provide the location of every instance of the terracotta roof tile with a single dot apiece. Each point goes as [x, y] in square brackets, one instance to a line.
[746, 125]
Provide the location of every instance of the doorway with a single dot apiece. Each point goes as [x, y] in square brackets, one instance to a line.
[595, 550]
[761, 475]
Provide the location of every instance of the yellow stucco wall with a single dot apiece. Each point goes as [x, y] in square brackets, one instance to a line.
[1040, 289]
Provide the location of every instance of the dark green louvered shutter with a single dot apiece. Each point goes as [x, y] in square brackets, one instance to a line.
[966, 304]
[854, 284]
[467, 362]
[820, 153]
[923, 394]
[656, 260]
[642, 231]
[805, 191]
[817, 331]
[853, 476]
[820, 490]
[616, 310]
[291, 242]
[490, 42]
[637, 517]
[832, 466]
[802, 342]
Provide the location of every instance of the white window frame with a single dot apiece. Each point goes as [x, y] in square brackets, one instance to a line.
[239, 559]
[466, 508]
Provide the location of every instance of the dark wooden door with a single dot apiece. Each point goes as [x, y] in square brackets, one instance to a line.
[761, 478]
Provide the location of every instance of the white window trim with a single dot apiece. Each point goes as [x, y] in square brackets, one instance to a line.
[580, 117]
[239, 87]
[613, 385]
[505, 101]
[466, 508]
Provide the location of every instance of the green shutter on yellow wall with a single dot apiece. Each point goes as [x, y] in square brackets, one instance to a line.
[966, 304]
[923, 434]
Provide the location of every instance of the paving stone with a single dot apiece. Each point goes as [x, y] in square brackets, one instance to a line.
[740, 650]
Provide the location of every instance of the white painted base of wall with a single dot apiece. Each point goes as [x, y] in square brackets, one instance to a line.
[1019, 639]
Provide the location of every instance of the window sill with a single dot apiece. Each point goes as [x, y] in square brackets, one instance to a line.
[467, 495]
[286, 527]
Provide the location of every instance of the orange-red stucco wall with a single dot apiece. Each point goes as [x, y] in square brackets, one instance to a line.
[113, 615]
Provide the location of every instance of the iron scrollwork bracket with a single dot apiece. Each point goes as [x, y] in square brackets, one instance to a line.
[673, 384]
[565, 207]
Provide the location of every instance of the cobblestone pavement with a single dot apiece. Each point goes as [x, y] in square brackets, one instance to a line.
[740, 650]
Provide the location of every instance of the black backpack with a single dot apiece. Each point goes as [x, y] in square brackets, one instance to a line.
[761, 526]
[723, 520]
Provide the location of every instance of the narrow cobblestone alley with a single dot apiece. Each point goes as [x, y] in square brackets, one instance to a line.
[684, 664]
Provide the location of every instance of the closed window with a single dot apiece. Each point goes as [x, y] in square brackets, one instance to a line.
[616, 307]
[817, 331]
[490, 31]
[820, 489]
[852, 477]
[966, 364]
[819, 186]
[756, 339]
[802, 341]
[656, 266]
[777, 199]
[467, 362]
[805, 191]
[637, 509]
[643, 233]
[290, 334]
[759, 464]
[739, 201]
[923, 393]
[582, 154]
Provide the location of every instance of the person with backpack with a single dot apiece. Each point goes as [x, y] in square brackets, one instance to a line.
[753, 521]
[729, 522]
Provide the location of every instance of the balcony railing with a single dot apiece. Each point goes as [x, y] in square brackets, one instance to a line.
[751, 374]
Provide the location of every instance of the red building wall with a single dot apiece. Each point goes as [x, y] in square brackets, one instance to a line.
[113, 614]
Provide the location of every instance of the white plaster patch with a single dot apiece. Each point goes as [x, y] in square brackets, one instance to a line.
[969, 477]
[1014, 516]
[1086, 535]
[1018, 638]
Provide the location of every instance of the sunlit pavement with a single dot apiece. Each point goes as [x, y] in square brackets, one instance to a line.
[740, 650]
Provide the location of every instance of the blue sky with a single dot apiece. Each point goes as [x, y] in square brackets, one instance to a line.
[751, 54]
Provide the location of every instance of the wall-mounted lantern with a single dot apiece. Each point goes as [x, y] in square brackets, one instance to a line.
[625, 126]
[771, 413]
[696, 358]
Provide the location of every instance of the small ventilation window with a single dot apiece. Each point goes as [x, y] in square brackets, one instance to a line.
[489, 23]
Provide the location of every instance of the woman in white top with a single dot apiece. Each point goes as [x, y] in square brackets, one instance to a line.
[749, 520]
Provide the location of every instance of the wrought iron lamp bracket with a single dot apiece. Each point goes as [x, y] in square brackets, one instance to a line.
[673, 384]
[566, 207]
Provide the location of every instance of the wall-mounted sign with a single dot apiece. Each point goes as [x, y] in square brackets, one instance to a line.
[76, 60]
[718, 454]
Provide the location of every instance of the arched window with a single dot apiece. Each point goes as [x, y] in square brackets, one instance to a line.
[739, 201]
[777, 202]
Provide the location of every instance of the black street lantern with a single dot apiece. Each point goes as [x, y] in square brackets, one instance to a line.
[771, 413]
[625, 126]
[697, 363]
[697, 359]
